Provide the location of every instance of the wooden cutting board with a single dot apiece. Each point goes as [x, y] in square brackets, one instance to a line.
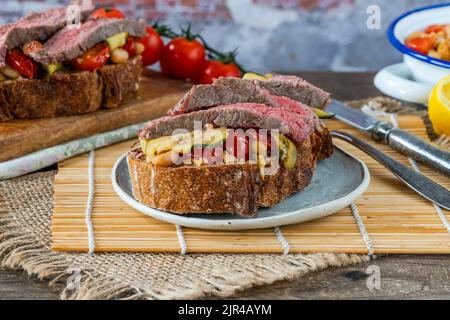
[157, 94]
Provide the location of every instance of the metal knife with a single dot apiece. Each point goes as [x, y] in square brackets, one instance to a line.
[427, 188]
[402, 141]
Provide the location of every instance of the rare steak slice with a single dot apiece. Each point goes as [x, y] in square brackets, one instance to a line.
[70, 43]
[35, 26]
[243, 115]
[296, 89]
[234, 90]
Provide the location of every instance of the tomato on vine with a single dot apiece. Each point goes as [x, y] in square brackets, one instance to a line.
[214, 69]
[107, 13]
[153, 47]
[183, 58]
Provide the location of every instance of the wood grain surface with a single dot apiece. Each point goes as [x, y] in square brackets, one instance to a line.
[156, 95]
[403, 276]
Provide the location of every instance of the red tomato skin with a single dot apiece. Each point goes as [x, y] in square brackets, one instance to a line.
[21, 63]
[93, 59]
[130, 46]
[434, 28]
[213, 70]
[154, 47]
[107, 13]
[238, 146]
[422, 45]
[183, 58]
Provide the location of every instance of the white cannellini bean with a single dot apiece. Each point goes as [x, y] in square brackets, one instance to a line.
[9, 72]
[139, 48]
[119, 55]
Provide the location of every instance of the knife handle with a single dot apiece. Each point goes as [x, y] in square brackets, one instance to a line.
[413, 147]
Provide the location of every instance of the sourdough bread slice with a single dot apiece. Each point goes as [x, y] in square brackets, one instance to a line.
[234, 188]
[120, 82]
[70, 92]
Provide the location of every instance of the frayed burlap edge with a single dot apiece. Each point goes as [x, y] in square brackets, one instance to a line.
[21, 250]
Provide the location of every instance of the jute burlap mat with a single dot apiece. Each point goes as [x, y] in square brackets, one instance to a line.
[25, 213]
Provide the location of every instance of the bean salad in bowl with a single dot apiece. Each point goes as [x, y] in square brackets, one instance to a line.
[433, 41]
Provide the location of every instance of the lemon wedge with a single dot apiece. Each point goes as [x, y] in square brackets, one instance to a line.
[439, 107]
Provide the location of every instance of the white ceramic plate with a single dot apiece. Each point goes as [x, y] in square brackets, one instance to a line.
[338, 182]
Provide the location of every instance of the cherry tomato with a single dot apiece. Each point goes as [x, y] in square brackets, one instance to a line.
[21, 63]
[154, 47]
[435, 28]
[130, 46]
[422, 45]
[216, 69]
[183, 58]
[94, 58]
[107, 13]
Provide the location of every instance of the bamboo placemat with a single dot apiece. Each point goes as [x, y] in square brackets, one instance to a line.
[392, 218]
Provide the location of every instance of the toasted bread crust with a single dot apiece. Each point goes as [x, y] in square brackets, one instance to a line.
[120, 82]
[237, 188]
[69, 93]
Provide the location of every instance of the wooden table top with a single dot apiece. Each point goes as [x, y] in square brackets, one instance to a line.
[402, 276]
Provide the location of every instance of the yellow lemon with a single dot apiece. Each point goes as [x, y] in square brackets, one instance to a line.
[439, 107]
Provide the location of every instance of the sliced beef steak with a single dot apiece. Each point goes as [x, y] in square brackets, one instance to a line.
[235, 90]
[244, 115]
[296, 89]
[35, 26]
[70, 43]
[227, 92]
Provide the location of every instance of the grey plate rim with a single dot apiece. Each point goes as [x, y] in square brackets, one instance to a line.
[294, 217]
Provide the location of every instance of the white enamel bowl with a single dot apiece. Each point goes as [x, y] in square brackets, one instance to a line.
[413, 79]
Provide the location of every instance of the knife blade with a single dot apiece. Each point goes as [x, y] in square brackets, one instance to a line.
[399, 140]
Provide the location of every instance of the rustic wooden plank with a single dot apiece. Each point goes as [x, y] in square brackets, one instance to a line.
[402, 277]
[15, 285]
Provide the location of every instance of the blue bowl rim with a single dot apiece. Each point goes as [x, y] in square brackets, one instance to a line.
[404, 49]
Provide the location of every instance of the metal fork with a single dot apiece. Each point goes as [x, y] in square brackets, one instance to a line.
[414, 180]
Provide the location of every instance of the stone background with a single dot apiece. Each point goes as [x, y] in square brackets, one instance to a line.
[282, 35]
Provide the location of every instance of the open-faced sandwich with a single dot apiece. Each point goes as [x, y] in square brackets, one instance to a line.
[49, 68]
[231, 147]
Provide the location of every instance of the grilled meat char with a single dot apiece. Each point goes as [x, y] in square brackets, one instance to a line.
[229, 188]
[35, 26]
[235, 90]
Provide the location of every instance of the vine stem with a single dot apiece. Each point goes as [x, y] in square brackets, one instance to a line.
[227, 58]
